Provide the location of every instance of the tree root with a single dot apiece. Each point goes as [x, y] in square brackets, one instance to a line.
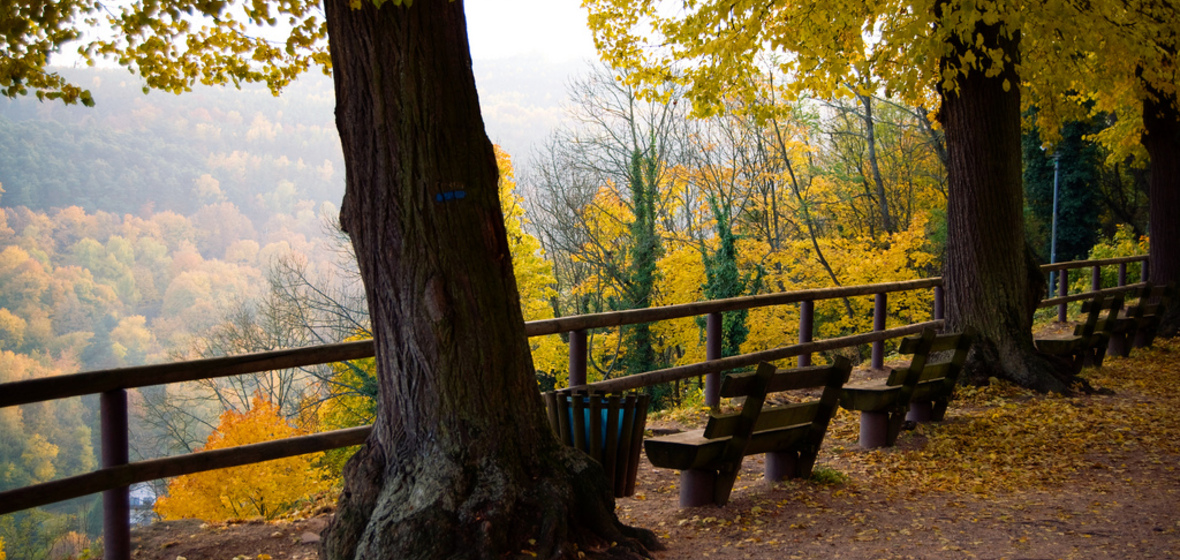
[443, 508]
[1032, 369]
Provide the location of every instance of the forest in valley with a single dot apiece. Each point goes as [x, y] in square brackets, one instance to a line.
[159, 228]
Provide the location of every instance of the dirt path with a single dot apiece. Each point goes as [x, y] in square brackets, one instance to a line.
[1130, 511]
[1010, 475]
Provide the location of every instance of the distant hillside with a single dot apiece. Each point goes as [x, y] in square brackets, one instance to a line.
[134, 153]
[522, 100]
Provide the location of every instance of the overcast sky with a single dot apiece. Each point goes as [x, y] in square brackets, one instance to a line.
[525, 53]
[553, 29]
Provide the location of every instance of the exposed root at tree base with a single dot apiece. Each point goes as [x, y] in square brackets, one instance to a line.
[1021, 364]
[560, 508]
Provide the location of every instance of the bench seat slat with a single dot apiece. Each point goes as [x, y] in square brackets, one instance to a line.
[870, 399]
[931, 371]
[1058, 346]
[692, 450]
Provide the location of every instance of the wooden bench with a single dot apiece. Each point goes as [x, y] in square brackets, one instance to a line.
[918, 392]
[1153, 303]
[1087, 346]
[790, 435]
[1130, 321]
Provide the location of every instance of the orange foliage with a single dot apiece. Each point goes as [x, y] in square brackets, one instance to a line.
[257, 490]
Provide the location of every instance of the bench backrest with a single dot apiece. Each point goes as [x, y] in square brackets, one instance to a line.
[1155, 298]
[951, 353]
[1096, 320]
[1141, 296]
[757, 385]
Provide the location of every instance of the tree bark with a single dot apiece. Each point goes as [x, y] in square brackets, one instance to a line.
[987, 270]
[461, 462]
[878, 182]
[1161, 120]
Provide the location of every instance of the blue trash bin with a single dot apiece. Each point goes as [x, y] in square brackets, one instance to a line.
[608, 427]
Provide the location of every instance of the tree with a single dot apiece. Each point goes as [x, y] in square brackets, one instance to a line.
[964, 55]
[646, 249]
[724, 280]
[461, 460]
[263, 490]
[611, 170]
[1129, 53]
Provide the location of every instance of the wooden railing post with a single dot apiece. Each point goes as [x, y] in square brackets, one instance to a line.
[878, 326]
[1145, 273]
[1062, 289]
[806, 328]
[1122, 274]
[939, 303]
[1095, 278]
[577, 358]
[713, 352]
[116, 503]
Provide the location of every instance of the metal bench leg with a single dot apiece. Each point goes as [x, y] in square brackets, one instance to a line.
[780, 466]
[920, 411]
[696, 488]
[874, 429]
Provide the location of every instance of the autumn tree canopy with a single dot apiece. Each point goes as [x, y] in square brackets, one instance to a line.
[971, 60]
[263, 490]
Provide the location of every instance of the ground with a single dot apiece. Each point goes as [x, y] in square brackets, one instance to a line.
[1010, 474]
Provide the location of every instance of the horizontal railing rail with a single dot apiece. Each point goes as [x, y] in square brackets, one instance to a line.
[1080, 296]
[152, 469]
[680, 311]
[100, 381]
[1095, 262]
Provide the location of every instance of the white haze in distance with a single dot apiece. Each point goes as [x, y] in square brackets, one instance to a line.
[525, 53]
[552, 29]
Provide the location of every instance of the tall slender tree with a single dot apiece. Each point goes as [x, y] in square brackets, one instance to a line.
[645, 252]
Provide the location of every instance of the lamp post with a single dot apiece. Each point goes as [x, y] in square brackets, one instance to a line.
[1053, 231]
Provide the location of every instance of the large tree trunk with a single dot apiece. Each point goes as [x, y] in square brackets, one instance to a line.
[1161, 119]
[987, 271]
[461, 463]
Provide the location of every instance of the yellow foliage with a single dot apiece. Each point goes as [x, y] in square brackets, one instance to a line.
[534, 274]
[857, 260]
[257, 490]
[681, 282]
[606, 220]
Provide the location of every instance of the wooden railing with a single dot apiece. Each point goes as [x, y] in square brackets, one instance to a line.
[1063, 298]
[117, 474]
